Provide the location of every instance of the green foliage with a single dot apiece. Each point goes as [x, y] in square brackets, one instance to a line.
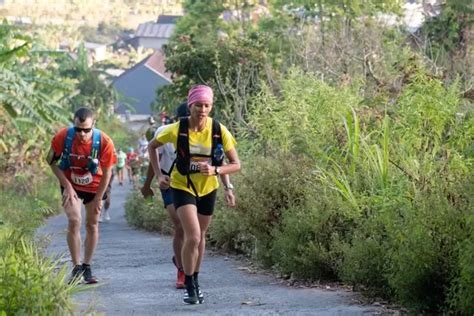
[93, 92]
[461, 296]
[147, 214]
[30, 284]
[229, 231]
[204, 49]
[41, 199]
[30, 97]
[444, 32]
[305, 244]
[294, 121]
[259, 208]
[330, 8]
[118, 131]
[385, 192]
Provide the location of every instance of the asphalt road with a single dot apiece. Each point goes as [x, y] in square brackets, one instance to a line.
[136, 277]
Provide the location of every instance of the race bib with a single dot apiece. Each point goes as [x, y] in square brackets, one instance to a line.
[82, 179]
[194, 165]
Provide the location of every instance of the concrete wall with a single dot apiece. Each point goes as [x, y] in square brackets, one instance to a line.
[154, 43]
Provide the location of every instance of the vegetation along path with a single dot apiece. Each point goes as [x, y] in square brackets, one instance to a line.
[136, 277]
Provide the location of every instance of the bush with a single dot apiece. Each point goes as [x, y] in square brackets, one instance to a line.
[147, 214]
[461, 296]
[262, 193]
[29, 283]
[120, 134]
[229, 231]
[303, 244]
[41, 198]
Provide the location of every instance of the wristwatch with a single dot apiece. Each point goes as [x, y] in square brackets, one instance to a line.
[218, 171]
[228, 186]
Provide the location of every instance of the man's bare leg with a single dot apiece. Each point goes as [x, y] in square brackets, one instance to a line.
[92, 233]
[73, 213]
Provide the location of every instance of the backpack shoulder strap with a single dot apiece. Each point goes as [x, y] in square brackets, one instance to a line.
[65, 162]
[182, 147]
[68, 141]
[216, 133]
[96, 142]
[216, 140]
[183, 157]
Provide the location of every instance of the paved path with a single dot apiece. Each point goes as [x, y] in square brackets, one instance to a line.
[137, 278]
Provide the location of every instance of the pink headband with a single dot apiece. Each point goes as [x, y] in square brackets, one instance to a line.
[200, 93]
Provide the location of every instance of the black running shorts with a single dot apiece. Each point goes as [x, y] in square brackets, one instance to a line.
[204, 204]
[86, 197]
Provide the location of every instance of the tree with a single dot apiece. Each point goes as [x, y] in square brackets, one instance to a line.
[228, 56]
[93, 91]
[32, 98]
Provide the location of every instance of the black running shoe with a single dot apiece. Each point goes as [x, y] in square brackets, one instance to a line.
[200, 295]
[190, 296]
[76, 273]
[88, 278]
[199, 292]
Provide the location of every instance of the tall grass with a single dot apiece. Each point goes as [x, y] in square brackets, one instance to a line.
[386, 194]
[30, 283]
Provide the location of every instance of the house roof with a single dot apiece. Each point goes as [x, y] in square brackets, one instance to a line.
[151, 29]
[139, 83]
[168, 19]
[156, 63]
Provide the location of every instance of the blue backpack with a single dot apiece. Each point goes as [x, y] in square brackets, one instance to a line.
[93, 164]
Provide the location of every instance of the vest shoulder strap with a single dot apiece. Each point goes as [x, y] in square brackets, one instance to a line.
[216, 133]
[68, 141]
[182, 147]
[65, 162]
[96, 142]
[216, 140]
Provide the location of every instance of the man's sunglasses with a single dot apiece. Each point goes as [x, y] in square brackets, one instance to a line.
[85, 130]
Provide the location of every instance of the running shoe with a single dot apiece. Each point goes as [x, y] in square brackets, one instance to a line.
[199, 292]
[190, 296]
[76, 273]
[180, 274]
[180, 279]
[88, 278]
[106, 215]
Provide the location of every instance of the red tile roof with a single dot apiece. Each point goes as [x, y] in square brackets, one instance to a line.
[156, 63]
[150, 29]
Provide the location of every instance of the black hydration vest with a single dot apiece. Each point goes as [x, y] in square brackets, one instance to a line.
[183, 155]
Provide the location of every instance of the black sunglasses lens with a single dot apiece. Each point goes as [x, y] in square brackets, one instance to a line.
[85, 130]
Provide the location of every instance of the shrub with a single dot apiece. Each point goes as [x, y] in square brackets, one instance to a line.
[29, 283]
[147, 214]
[263, 192]
[41, 198]
[461, 295]
[303, 245]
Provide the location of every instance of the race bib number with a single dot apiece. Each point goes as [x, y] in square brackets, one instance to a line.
[194, 165]
[83, 179]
